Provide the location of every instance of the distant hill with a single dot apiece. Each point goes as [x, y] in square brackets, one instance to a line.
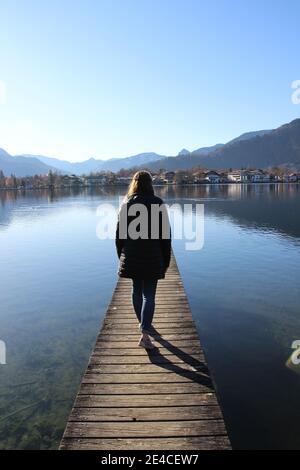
[260, 149]
[250, 135]
[206, 150]
[278, 147]
[64, 166]
[116, 164]
[183, 160]
[93, 165]
[22, 166]
[183, 152]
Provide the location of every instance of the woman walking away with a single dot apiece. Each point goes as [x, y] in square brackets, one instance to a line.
[143, 243]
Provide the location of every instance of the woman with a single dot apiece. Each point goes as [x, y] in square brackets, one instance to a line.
[143, 243]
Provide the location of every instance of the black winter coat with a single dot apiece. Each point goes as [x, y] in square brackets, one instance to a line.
[143, 258]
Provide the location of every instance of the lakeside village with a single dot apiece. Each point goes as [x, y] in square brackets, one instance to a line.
[123, 177]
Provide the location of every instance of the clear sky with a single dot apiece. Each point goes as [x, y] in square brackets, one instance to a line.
[112, 78]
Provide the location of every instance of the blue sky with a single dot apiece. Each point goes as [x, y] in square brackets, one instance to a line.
[81, 79]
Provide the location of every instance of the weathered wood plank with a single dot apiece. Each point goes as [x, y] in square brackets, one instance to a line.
[159, 322]
[146, 389]
[133, 338]
[149, 443]
[205, 427]
[146, 368]
[171, 413]
[117, 328]
[191, 351]
[132, 344]
[110, 401]
[135, 378]
[142, 360]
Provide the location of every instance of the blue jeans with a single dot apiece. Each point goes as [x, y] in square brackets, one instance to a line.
[143, 299]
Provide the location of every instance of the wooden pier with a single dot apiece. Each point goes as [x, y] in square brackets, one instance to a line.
[131, 399]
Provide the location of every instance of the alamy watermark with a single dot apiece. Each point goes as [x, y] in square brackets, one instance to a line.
[139, 221]
[295, 97]
[3, 92]
[2, 353]
[295, 357]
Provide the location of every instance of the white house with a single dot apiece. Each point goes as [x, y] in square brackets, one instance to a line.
[212, 177]
[239, 176]
[248, 176]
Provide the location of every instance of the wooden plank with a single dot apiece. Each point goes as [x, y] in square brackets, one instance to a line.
[132, 338]
[171, 413]
[142, 360]
[165, 329]
[97, 377]
[111, 401]
[167, 443]
[205, 427]
[133, 344]
[146, 368]
[192, 351]
[168, 388]
[160, 321]
[146, 389]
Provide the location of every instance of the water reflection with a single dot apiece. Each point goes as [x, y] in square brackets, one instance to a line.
[57, 278]
[270, 206]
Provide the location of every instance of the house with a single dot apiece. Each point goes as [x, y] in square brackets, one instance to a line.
[95, 180]
[157, 179]
[293, 178]
[238, 176]
[71, 180]
[123, 180]
[198, 177]
[259, 176]
[235, 176]
[290, 178]
[248, 176]
[169, 177]
[212, 177]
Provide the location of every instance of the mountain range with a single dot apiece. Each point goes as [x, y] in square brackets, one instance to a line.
[92, 164]
[260, 149]
[22, 166]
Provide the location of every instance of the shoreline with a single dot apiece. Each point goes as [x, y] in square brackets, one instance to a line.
[231, 183]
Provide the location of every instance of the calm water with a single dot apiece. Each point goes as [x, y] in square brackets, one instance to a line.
[56, 278]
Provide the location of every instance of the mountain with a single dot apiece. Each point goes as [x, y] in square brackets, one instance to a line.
[206, 150]
[184, 152]
[116, 164]
[22, 166]
[88, 166]
[280, 146]
[64, 166]
[260, 149]
[183, 160]
[250, 135]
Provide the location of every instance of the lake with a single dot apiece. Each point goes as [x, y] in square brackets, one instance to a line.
[57, 277]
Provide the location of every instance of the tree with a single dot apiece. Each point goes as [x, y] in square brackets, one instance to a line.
[2, 179]
[51, 179]
[179, 176]
[14, 181]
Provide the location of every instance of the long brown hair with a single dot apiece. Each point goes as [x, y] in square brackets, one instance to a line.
[141, 183]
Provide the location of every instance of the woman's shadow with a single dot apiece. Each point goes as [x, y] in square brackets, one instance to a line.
[191, 368]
